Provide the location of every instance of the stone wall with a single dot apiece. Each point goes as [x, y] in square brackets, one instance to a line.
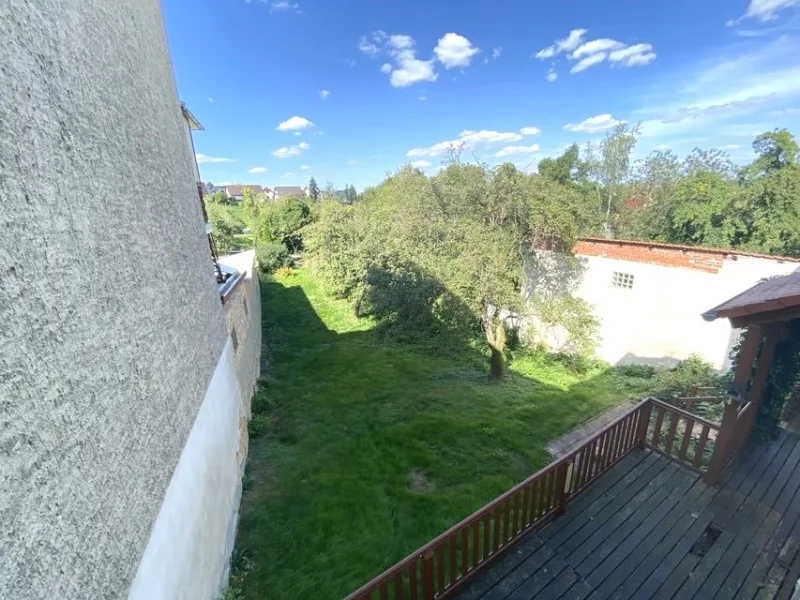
[112, 322]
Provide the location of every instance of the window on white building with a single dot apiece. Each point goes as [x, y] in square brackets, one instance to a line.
[623, 281]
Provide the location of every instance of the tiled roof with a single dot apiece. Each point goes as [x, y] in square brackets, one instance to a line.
[768, 295]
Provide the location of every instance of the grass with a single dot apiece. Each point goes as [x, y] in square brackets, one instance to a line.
[345, 419]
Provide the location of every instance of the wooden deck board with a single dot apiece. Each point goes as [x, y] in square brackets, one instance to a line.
[630, 534]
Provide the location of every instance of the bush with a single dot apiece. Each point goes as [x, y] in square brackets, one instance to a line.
[677, 381]
[272, 256]
[636, 371]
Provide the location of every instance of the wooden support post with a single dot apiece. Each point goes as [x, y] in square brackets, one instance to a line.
[747, 358]
[560, 492]
[722, 446]
[772, 334]
[644, 423]
[427, 576]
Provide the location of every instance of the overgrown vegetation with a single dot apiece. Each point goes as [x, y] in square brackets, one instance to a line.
[362, 449]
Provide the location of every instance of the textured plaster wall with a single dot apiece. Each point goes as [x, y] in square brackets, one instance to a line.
[111, 321]
[659, 320]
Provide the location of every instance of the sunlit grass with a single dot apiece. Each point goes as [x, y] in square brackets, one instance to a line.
[328, 503]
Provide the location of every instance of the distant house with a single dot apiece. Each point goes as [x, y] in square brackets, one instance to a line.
[236, 192]
[289, 190]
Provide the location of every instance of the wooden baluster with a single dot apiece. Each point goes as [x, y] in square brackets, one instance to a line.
[497, 525]
[506, 522]
[453, 566]
[440, 567]
[526, 493]
[560, 481]
[701, 447]
[687, 438]
[476, 543]
[465, 551]
[487, 518]
[383, 590]
[428, 592]
[413, 586]
[515, 524]
[399, 594]
[657, 428]
[671, 433]
[541, 501]
[643, 423]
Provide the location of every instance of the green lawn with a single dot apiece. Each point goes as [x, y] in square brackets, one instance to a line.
[348, 418]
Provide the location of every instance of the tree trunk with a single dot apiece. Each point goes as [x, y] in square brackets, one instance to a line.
[496, 337]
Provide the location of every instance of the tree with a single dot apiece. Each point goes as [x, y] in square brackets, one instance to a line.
[219, 197]
[282, 220]
[610, 167]
[566, 169]
[313, 189]
[776, 149]
[350, 194]
[646, 211]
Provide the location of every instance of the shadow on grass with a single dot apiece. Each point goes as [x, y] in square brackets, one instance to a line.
[371, 449]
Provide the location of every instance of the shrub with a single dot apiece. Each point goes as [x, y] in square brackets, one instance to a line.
[258, 425]
[272, 256]
[636, 371]
[692, 371]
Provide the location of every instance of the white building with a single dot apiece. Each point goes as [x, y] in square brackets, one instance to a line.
[648, 297]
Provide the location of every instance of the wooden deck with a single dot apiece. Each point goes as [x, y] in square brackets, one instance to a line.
[650, 528]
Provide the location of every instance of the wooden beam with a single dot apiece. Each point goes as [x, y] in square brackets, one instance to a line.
[747, 358]
[773, 316]
[772, 335]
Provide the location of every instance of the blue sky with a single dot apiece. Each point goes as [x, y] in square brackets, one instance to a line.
[349, 90]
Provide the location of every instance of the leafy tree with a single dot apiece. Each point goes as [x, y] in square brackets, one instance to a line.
[313, 189]
[223, 227]
[282, 220]
[350, 194]
[566, 169]
[646, 212]
[704, 211]
[776, 149]
[219, 197]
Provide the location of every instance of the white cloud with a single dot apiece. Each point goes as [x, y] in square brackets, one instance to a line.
[593, 124]
[289, 175]
[305, 168]
[663, 147]
[516, 150]
[640, 54]
[496, 52]
[350, 62]
[419, 164]
[295, 123]
[297, 133]
[386, 68]
[368, 48]
[595, 46]
[466, 138]
[786, 112]
[530, 131]
[765, 10]
[352, 162]
[569, 43]
[324, 94]
[288, 151]
[255, 170]
[422, 98]
[210, 99]
[455, 50]
[593, 52]
[224, 183]
[731, 147]
[587, 62]
[204, 158]
[283, 6]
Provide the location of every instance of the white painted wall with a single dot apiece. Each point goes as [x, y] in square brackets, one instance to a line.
[190, 544]
[658, 321]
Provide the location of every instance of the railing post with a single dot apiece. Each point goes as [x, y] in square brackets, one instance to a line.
[560, 488]
[725, 437]
[644, 423]
[427, 576]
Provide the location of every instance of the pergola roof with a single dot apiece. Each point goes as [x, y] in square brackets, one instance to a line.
[769, 301]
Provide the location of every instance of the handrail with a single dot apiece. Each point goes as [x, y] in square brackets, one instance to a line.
[560, 480]
[684, 413]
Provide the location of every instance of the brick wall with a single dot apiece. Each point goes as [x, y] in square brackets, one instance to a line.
[709, 261]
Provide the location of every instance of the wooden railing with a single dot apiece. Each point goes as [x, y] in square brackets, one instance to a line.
[442, 565]
[680, 435]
